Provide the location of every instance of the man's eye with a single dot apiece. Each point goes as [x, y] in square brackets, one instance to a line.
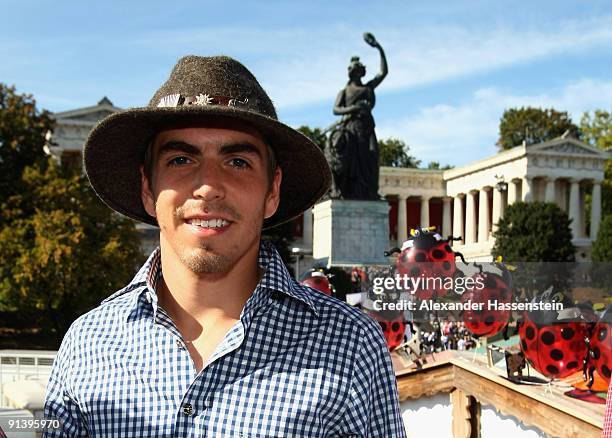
[239, 162]
[179, 161]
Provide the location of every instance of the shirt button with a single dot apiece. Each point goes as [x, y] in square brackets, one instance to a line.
[187, 409]
[180, 344]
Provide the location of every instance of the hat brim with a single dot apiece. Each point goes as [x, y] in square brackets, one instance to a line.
[115, 151]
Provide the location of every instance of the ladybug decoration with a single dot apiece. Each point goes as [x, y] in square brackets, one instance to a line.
[317, 280]
[392, 322]
[553, 342]
[393, 327]
[483, 320]
[600, 349]
[428, 255]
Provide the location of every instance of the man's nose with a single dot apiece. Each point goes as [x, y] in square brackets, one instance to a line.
[209, 185]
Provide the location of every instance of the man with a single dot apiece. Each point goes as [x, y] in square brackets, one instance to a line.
[213, 337]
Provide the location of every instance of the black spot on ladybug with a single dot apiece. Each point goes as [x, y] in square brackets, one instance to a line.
[489, 320]
[420, 257]
[524, 345]
[383, 325]
[446, 266]
[602, 334]
[530, 332]
[552, 369]
[605, 371]
[567, 333]
[556, 354]
[415, 272]
[437, 254]
[399, 337]
[548, 338]
[395, 326]
[490, 282]
[596, 353]
[571, 365]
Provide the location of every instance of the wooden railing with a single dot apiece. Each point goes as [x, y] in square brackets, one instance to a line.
[471, 383]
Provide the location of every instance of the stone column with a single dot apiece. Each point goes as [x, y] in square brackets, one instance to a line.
[550, 195]
[308, 228]
[574, 208]
[595, 209]
[446, 217]
[424, 211]
[402, 220]
[470, 218]
[458, 219]
[498, 207]
[483, 216]
[512, 192]
[526, 192]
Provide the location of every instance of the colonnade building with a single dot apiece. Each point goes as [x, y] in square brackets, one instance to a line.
[465, 202]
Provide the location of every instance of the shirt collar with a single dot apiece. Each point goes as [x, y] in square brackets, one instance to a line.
[276, 278]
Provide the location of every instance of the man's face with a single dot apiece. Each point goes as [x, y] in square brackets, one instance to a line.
[210, 192]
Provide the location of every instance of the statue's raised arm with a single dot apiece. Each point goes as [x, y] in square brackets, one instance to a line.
[369, 38]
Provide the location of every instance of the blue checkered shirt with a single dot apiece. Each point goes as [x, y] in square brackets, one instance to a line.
[297, 364]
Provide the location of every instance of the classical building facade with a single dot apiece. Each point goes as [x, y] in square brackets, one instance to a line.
[464, 202]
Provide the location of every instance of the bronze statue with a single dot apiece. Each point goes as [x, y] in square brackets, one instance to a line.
[352, 149]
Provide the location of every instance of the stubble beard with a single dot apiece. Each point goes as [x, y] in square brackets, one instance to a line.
[205, 260]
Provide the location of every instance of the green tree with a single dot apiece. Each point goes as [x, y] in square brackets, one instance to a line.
[435, 165]
[393, 152]
[596, 128]
[22, 138]
[62, 251]
[602, 246]
[601, 272]
[533, 125]
[534, 232]
[315, 134]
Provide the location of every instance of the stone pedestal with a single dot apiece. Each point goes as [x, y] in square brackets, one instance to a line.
[351, 233]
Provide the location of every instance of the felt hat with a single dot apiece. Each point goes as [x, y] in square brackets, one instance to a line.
[201, 89]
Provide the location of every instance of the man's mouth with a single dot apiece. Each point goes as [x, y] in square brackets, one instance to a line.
[209, 223]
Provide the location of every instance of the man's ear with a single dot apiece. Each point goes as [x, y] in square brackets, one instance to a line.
[273, 197]
[146, 194]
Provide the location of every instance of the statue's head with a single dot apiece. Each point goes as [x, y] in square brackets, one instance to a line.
[356, 69]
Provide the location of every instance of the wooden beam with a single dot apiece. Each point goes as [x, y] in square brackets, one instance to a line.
[529, 411]
[466, 415]
[426, 382]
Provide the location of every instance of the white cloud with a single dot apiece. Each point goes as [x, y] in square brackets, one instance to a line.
[301, 66]
[420, 57]
[459, 134]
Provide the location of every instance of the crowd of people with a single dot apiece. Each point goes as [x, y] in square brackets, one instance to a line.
[449, 335]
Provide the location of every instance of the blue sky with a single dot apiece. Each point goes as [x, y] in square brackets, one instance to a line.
[454, 65]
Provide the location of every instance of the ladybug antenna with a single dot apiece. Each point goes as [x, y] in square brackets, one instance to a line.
[479, 266]
[458, 254]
